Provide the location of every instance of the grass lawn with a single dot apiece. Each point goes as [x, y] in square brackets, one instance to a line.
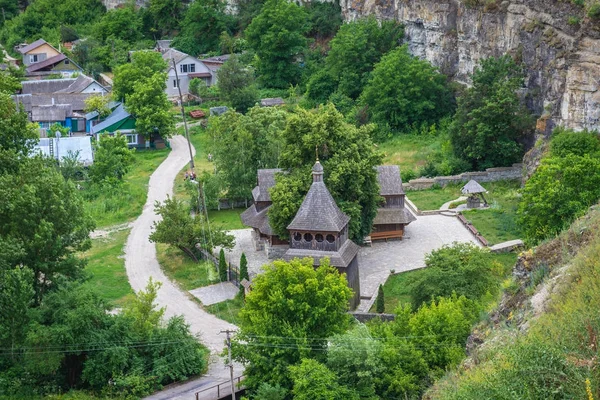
[183, 270]
[227, 310]
[124, 203]
[408, 151]
[228, 219]
[200, 140]
[396, 289]
[106, 266]
[433, 199]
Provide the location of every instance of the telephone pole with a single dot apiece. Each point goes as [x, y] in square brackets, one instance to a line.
[187, 135]
[228, 332]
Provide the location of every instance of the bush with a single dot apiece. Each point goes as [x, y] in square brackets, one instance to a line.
[566, 141]
[461, 268]
[594, 11]
[380, 300]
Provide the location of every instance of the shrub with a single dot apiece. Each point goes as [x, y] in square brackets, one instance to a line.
[461, 268]
[380, 300]
[594, 11]
[566, 141]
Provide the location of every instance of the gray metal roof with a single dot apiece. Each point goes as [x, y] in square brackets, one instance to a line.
[112, 105]
[174, 54]
[216, 59]
[393, 216]
[46, 85]
[390, 181]
[57, 112]
[76, 100]
[472, 187]
[266, 180]
[341, 258]
[23, 99]
[318, 211]
[79, 85]
[119, 114]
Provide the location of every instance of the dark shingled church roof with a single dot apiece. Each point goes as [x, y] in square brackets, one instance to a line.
[387, 216]
[258, 220]
[266, 180]
[341, 258]
[318, 211]
[390, 182]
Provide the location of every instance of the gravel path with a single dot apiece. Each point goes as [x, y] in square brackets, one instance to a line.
[141, 264]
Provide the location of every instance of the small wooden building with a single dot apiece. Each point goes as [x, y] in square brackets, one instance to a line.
[320, 229]
[256, 216]
[392, 216]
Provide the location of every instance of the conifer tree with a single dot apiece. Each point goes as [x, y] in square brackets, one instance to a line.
[380, 305]
[243, 271]
[222, 266]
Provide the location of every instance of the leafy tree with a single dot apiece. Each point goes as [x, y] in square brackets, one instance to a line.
[9, 8]
[490, 119]
[314, 381]
[461, 268]
[71, 168]
[325, 19]
[150, 106]
[560, 190]
[9, 83]
[380, 302]
[565, 142]
[222, 266]
[43, 216]
[98, 104]
[236, 85]
[16, 134]
[180, 229]
[290, 312]
[277, 37]
[165, 16]
[405, 90]
[355, 49]
[112, 159]
[144, 64]
[120, 23]
[244, 143]
[202, 26]
[16, 298]
[348, 157]
[270, 392]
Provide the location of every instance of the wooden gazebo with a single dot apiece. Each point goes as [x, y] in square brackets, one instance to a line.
[475, 192]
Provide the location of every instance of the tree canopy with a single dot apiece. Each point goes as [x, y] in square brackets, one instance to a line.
[149, 105]
[144, 64]
[490, 118]
[277, 37]
[236, 85]
[291, 306]
[348, 157]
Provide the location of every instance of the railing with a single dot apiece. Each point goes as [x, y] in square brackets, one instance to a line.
[227, 387]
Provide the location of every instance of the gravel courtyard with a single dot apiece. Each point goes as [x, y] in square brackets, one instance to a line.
[421, 236]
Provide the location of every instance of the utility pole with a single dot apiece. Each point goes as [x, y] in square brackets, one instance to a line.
[228, 332]
[187, 134]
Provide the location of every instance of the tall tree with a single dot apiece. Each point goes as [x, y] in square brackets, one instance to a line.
[150, 106]
[202, 26]
[355, 49]
[406, 91]
[144, 64]
[348, 157]
[314, 381]
[112, 160]
[277, 37]
[16, 133]
[490, 118]
[222, 266]
[164, 16]
[244, 143]
[289, 314]
[236, 85]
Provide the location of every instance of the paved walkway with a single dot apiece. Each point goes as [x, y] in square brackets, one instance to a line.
[216, 293]
[141, 264]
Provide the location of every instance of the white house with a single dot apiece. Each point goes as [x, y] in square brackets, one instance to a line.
[188, 67]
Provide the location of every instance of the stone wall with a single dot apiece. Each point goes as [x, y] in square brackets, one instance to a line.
[562, 59]
[489, 175]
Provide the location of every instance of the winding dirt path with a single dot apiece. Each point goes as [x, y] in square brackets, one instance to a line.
[141, 264]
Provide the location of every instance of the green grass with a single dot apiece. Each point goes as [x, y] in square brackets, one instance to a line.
[410, 152]
[200, 140]
[433, 199]
[125, 203]
[228, 219]
[106, 266]
[396, 291]
[227, 310]
[183, 270]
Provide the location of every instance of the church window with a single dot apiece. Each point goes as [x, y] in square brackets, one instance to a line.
[319, 237]
[308, 237]
[297, 236]
[330, 238]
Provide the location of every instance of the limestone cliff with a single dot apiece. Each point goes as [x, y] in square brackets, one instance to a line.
[562, 58]
[110, 4]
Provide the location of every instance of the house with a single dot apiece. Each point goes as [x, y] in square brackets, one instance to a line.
[188, 68]
[41, 58]
[122, 122]
[81, 84]
[392, 216]
[93, 118]
[256, 216]
[214, 64]
[60, 147]
[320, 229]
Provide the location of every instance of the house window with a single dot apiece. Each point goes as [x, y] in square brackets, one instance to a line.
[67, 62]
[44, 125]
[192, 67]
[33, 58]
[187, 68]
[132, 138]
[175, 82]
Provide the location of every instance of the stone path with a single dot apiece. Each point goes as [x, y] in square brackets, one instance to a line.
[446, 205]
[243, 244]
[141, 265]
[215, 293]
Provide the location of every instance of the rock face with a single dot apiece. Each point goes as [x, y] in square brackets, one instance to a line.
[562, 59]
[110, 4]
